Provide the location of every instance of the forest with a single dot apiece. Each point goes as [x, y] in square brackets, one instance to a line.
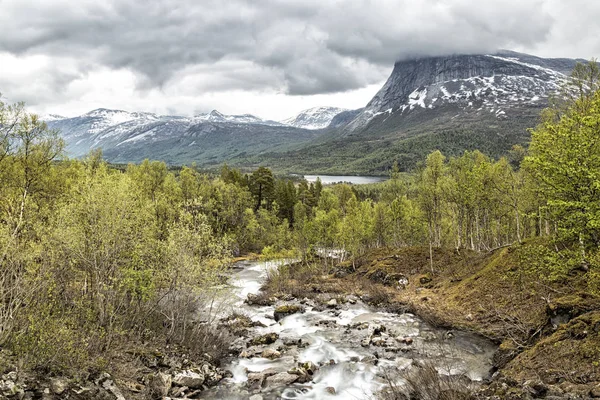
[97, 260]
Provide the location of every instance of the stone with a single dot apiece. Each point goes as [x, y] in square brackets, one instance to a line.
[309, 367]
[160, 384]
[256, 397]
[268, 338]
[280, 379]
[271, 354]
[179, 391]
[332, 303]
[285, 310]
[256, 379]
[301, 373]
[245, 354]
[330, 390]
[11, 376]
[189, 378]
[58, 385]
[9, 388]
[110, 386]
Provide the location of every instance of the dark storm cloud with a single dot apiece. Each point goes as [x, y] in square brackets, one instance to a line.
[300, 47]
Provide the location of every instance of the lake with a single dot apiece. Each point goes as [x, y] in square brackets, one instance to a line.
[355, 180]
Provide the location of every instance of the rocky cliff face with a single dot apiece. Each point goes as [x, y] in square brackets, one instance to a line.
[494, 83]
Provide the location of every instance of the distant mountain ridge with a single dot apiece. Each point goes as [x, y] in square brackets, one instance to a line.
[207, 139]
[453, 103]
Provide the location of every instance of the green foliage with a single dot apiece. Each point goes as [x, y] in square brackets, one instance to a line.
[565, 162]
[545, 264]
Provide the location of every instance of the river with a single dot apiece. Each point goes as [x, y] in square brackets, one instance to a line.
[334, 339]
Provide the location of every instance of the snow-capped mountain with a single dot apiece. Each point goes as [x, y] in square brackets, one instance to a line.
[494, 83]
[314, 118]
[451, 103]
[51, 117]
[215, 116]
[205, 138]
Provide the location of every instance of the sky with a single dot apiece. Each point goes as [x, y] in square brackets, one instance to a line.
[270, 58]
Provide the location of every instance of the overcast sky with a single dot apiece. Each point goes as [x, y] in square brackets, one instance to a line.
[271, 58]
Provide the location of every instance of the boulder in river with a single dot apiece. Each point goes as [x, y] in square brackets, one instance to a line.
[287, 309]
[280, 379]
[268, 338]
[271, 354]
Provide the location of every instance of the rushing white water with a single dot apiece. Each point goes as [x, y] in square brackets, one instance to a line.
[333, 341]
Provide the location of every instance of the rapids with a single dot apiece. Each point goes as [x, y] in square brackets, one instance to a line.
[334, 339]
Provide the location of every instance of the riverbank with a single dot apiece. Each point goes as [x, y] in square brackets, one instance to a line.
[547, 331]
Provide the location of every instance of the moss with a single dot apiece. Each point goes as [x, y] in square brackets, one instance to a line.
[572, 353]
[287, 309]
[574, 305]
[265, 339]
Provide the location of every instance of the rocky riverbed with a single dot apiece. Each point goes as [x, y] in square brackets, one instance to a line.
[330, 347]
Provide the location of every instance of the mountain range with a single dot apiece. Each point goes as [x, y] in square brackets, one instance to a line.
[451, 103]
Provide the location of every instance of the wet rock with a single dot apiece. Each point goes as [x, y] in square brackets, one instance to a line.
[328, 323]
[256, 397]
[271, 354]
[256, 380]
[330, 390]
[333, 303]
[292, 342]
[405, 340]
[160, 384]
[245, 354]
[212, 375]
[309, 367]
[285, 310]
[303, 376]
[191, 379]
[379, 342]
[280, 379]
[266, 339]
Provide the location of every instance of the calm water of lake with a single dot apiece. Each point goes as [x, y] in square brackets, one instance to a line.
[355, 180]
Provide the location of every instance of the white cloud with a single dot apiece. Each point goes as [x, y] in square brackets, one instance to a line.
[268, 57]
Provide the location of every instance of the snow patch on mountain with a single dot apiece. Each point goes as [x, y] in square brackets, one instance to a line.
[314, 118]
